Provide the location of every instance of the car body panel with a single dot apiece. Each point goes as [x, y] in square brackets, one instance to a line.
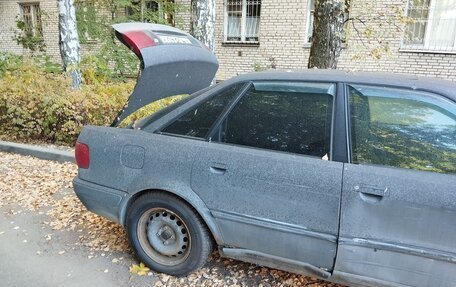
[407, 235]
[168, 68]
[106, 171]
[298, 217]
[99, 199]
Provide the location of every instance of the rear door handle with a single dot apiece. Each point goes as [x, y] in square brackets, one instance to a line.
[218, 168]
[370, 192]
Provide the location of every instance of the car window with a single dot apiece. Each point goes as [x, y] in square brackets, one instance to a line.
[198, 121]
[145, 123]
[402, 128]
[289, 117]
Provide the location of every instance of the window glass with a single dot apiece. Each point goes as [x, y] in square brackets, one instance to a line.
[289, 117]
[31, 15]
[243, 20]
[402, 128]
[429, 28]
[198, 121]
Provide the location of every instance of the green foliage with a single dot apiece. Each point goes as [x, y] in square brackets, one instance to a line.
[9, 62]
[40, 106]
[28, 38]
[111, 59]
[257, 67]
[95, 18]
[45, 62]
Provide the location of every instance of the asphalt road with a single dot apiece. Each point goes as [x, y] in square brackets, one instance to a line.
[31, 254]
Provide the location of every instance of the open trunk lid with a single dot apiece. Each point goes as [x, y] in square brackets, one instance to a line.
[172, 63]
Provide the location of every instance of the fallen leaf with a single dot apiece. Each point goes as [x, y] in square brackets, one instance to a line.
[140, 269]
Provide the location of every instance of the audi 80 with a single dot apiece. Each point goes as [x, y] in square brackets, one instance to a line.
[348, 177]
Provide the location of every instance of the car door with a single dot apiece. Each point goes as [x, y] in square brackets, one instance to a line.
[398, 212]
[268, 176]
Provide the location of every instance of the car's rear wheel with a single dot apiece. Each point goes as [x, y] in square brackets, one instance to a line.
[167, 234]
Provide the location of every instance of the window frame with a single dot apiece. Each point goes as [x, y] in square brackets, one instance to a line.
[243, 25]
[427, 46]
[143, 9]
[334, 118]
[309, 23]
[36, 27]
[192, 106]
[349, 123]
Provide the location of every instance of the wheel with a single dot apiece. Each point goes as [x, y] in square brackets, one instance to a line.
[167, 234]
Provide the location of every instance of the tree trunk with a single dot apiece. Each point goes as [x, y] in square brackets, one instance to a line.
[327, 34]
[203, 22]
[69, 40]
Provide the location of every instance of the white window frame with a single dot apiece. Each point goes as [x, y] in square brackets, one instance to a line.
[243, 25]
[309, 25]
[427, 46]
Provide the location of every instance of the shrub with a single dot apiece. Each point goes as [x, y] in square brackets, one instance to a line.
[40, 106]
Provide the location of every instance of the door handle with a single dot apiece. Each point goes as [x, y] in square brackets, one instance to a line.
[218, 168]
[371, 193]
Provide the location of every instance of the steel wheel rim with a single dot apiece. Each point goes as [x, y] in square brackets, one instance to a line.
[164, 236]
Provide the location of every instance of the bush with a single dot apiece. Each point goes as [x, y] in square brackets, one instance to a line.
[40, 106]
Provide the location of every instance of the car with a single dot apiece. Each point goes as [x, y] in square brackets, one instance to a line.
[345, 176]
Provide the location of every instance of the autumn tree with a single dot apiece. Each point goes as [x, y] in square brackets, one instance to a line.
[69, 41]
[333, 25]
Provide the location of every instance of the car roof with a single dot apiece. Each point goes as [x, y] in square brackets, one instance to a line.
[443, 87]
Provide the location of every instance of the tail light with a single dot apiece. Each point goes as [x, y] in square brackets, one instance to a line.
[82, 154]
[137, 40]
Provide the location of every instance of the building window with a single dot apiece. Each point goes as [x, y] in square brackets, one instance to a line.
[242, 20]
[31, 16]
[310, 20]
[153, 11]
[432, 25]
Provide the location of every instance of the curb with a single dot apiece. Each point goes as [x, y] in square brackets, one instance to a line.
[37, 151]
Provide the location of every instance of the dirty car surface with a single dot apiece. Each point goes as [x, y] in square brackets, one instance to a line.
[346, 177]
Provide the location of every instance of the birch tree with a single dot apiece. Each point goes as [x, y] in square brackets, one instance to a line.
[203, 22]
[370, 29]
[69, 41]
[327, 34]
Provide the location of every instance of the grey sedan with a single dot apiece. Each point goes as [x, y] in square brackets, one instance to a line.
[349, 177]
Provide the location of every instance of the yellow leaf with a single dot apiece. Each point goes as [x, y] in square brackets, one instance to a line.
[140, 269]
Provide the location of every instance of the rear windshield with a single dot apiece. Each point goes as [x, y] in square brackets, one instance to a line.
[144, 122]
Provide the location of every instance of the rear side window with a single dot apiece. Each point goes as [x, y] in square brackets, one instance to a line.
[198, 121]
[289, 117]
[402, 128]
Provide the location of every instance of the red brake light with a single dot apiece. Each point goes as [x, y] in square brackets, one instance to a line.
[82, 154]
[137, 40]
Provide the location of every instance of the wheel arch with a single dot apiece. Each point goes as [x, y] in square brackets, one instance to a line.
[191, 199]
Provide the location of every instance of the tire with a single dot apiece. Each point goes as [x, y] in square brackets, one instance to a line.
[167, 234]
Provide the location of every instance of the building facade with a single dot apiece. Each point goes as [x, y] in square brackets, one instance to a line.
[401, 36]
[42, 18]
